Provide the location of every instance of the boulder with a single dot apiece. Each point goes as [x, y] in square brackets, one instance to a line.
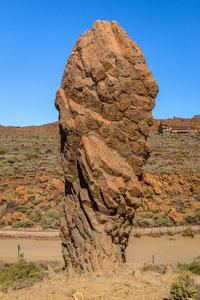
[105, 101]
[175, 216]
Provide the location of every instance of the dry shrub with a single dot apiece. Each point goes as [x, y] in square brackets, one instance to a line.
[188, 232]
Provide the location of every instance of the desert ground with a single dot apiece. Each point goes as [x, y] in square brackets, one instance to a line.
[32, 190]
[166, 249]
[130, 282]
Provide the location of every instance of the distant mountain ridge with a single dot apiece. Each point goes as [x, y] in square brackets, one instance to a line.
[196, 117]
[50, 127]
[54, 127]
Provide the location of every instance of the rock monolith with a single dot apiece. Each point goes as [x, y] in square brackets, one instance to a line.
[105, 101]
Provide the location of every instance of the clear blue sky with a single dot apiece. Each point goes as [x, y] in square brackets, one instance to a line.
[37, 37]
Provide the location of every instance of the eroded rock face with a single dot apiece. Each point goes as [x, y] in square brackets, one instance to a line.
[105, 101]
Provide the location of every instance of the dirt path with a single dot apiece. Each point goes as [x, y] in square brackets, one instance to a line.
[121, 285]
[33, 250]
[165, 249]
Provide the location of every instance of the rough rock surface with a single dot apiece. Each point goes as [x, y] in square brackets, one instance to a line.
[105, 101]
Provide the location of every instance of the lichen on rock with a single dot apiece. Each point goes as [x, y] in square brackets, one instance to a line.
[105, 101]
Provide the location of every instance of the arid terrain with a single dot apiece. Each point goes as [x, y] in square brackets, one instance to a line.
[32, 184]
[131, 283]
[138, 280]
[32, 191]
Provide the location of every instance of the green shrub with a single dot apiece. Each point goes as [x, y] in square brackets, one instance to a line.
[23, 224]
[163, 222]
[181, 288]
[32, 156]
[151, 162]
[162, 233]
[194, 267]
[137, 235]
[183, 267]
[31, 197]
[18, 224]
[29, 223]
[151, 267]
[158, 154]
[148, 214]
[20, 275]
[48, 151]
[36, 215]
[142, 222]
[53, 213]
[11, 206]
[171, 233]
[188, 232]
[151, 193]
[193, 218]
[25, 208]
[2, 223]
[11, 160]
[160, 220]
[2, 151]
[46, 222]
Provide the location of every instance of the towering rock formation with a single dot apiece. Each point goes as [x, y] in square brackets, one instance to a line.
[105, 101]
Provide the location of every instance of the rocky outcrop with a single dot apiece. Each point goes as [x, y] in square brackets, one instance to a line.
[196, 117]
[105, 101]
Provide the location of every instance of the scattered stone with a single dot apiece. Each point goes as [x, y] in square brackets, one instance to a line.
[157, 190]
[78, 296]
[167, 270]
[175, 216]
[21, 194]
[44, 178]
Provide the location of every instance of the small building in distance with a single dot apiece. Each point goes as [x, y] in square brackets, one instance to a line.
[194, 130]
[181, 129]
[167, 129]
[170, 129]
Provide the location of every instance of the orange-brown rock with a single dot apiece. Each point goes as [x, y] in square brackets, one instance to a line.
[21, 194]
[157, 190]
[3, 200]
[44, 178]
[175, 216]
[105, 101]
[11, 218]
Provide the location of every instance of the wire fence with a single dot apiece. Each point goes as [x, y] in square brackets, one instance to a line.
[164, 229]
[27, 234]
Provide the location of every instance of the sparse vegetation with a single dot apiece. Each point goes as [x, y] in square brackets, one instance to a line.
[34, 155]
[2, 223]
[2, 151]
[46, 222]
[151, 267]
[20, 275]
[171, 233]
[23, 224]
[11, 160]
[182, 288]
[137, 235]
[188, 232]
[194, 266]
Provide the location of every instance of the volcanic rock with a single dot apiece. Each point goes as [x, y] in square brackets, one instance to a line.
[105, 101]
